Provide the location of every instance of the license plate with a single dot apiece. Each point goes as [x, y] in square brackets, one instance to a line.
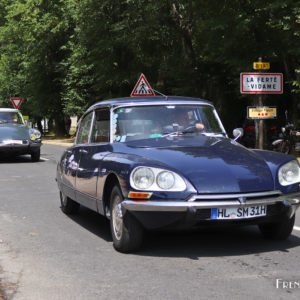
[18, 142]
[238, 212]
[11, 142]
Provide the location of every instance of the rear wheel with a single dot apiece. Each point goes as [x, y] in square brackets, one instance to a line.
[126, 231]
[279, 230]
[35, 156]
[68, 206]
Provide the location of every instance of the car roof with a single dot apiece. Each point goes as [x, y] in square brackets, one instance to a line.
[149, 100]
[9, 110]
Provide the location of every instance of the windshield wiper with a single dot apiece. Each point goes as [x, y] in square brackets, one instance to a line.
[214, 134]
[182, 132]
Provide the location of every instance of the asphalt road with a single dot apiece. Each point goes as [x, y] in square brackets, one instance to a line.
[45, 254]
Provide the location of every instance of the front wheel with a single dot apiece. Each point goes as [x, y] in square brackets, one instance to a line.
[279, 230]
[35, 156]
[126, 231]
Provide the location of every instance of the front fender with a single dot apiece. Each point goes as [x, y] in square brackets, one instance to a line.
[121, 166]
[274, 161]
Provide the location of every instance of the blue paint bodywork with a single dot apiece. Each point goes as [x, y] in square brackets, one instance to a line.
[209, 165]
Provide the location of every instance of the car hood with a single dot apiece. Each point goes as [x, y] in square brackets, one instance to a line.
[14, 132]
[212, 165]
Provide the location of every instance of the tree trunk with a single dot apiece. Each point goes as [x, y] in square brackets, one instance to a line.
[59, 128]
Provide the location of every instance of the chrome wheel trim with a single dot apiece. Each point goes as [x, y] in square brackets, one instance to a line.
[117, 218]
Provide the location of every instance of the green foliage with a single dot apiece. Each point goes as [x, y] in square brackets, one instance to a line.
[63, 55]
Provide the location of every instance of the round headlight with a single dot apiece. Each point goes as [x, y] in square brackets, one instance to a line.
[289, 173]
[34, 134]
[165, 180]
[143, 178]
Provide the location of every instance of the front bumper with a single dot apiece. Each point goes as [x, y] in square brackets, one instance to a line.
[155, 214]
[19, 147]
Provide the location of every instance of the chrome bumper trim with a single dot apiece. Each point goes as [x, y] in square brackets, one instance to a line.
[235, 196]
[176, 205]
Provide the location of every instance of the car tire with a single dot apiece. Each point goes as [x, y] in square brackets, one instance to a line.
[279, 230]
[68, 206]
[126, 231]
[35, 156]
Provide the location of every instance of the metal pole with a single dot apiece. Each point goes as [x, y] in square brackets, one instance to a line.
[259, 124]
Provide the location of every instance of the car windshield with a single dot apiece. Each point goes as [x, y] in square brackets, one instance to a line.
[143, 122]
[10, 117]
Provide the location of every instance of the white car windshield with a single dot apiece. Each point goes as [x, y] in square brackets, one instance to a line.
[10, 117]
[143, 122]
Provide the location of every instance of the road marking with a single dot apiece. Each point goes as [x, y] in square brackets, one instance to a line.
[43, 158]
[297, 228]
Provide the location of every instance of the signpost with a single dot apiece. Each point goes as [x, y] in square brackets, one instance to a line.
[261, 112]
[142, 88]
[261, 83]
[261, 65]
[16, 102]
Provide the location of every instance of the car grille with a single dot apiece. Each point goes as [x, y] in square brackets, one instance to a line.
[241, 197]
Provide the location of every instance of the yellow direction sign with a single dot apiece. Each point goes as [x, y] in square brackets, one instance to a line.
[26, 120]
[261, 112]
[261, 65]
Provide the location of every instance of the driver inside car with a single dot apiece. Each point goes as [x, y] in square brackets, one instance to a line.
[184, 121]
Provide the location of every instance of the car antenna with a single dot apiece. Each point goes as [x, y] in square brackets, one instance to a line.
[166, 97]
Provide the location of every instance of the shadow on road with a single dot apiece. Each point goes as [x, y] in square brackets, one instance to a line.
[202, 242]
[17, 159]
[93, 222]
[213, 242]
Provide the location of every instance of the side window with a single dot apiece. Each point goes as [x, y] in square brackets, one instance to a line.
[84, 129]
[100, 133]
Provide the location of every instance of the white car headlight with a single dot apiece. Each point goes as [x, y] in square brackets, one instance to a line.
[155, 179]
[34, 134]
[165, 180]
[143, 178]
[289, 173]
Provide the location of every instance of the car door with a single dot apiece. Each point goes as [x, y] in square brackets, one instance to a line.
[91, 155]
[68, 169]
[70, 160]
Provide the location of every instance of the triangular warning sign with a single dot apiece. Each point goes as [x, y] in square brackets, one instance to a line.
[16, 102]
[142, 88]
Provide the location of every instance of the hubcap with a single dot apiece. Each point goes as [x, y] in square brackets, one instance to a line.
[117, 218]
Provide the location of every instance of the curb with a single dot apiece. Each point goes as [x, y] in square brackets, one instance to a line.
[57, 143]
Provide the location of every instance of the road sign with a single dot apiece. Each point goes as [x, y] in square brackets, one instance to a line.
[261, 83]
[16, 102]
[261, 112]
[142, 88]
[261, 65]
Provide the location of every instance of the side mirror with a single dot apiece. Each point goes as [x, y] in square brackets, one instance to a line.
[237, 133]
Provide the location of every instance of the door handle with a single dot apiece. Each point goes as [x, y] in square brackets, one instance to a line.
[83, 151]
